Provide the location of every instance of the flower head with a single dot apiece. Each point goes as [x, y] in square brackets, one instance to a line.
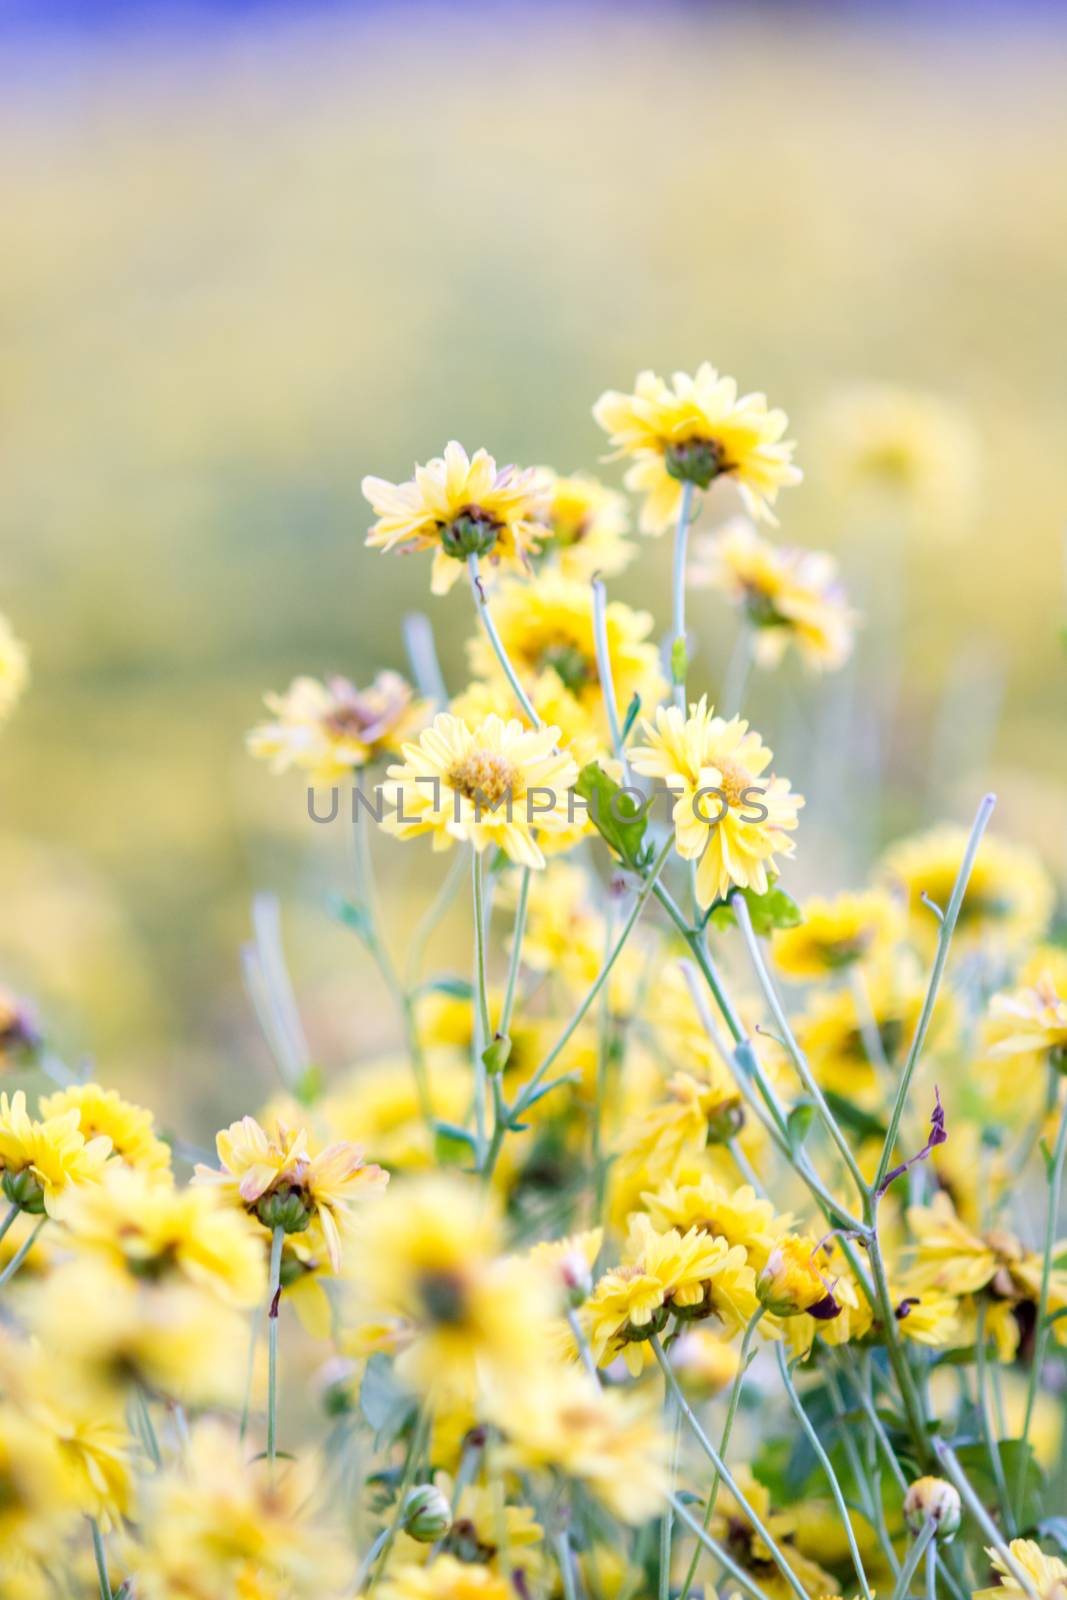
[933, 1500]
[40, 1160]
[791, 1283]
[459, 505]
[586, 526]
[493, 783]
[787, 596]
[331, 729]
[696, 430]
[727, 816]
[1030, 1021]
[835, 934]
[446, 1579]
[1047, 1574]
[14, 668]
[131, 1128]
[1009, 895]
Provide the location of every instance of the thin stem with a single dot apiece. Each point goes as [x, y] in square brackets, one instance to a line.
[727, 1477]
[516, 951]
[672, 1426]
[944, 939]
[916, 1551]
[274, 1293]
[9, 1219]
[565, 1558]
[949, 1461]
[869, 1480]
[246, 1405]
[604, 672]
[20, 1254]
[457, 870]
[827, 1467]
[101, 1559]
[148, 1429]
[724, 1442]
[681, 545]
[482, 607]
[578, 1334]
[985, 1414]
[770, 994]
[909, 1393]
[381, 1547]
[422, 654]
[931, 1571]
[712, 1546]
[483, 1029]
[1041, 1326]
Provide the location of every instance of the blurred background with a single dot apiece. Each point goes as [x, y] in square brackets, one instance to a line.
[252, 252]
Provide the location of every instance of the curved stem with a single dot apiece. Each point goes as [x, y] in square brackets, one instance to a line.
[483, 1029]
[681, 546]
[915, 1554]
[21, 1253]
[725, 1560]
[985, 1415]
[952, 1469]
[482, 607]
[1041, 1326]
[101, 1560]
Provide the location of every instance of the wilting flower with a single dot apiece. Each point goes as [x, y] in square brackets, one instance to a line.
[835, 934]
[39, 1160]
[727, 816]
[1009, 896]
[586, 526]
[14, 668]
[458, 506]
[131, 1128]
[1047, 1574]
[696, 430]
[281, 1183]
[331, 729]
[790, 1283]
[787, 596]
[496, 783]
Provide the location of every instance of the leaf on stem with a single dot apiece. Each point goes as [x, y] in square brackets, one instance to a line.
[774, 909]
[616, 815]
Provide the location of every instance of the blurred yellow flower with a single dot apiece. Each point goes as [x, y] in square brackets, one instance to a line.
[727, 816]
[14, 668]
[787, 596]
[496, 783]
[694, 430]
[446, 1579]
[836, 933]
[1029, 1021]
[1047, 1574]
[457, 506]
[40, 1160]
[705, 1362]
[1009, 897]
[587, 524]
[329, 730]
[737, 1215]
[131, 1128]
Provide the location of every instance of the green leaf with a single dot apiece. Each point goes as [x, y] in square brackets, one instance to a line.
[495, 1057]
[616, 815]
[775, 909]
[453, 1145]
[798, 1123]
[354, 916]
[631, 717]
[454, 988]
[679, 661]
[853, 1117]
[1055, 1528]
[310, 1084]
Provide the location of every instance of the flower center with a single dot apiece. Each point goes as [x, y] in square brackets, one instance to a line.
[695, 461]
[573, 669]
[444, 1296]
[484, 776]
[472, 532]
[733, 782]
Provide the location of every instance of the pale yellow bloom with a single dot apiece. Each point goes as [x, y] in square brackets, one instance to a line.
[40, 1160]
[697, 429]
[836, 933]
[331, 729]
[791, 1280]
[131, 1128]
[1029, 1021]
[1047, 1574]
[728, 817]
[458, 505]
[446, 1579]
[497, 783]
[587, 524]
[14, 668]
[1009, 897]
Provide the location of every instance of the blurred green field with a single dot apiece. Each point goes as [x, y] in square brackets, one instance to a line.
[243, 269]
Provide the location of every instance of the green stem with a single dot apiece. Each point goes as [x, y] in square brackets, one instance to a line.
[148, 1429]
[681, 546]
[246, 1405]
[516, 951]
[578, 1334]
[1041, 1327]
[381, 1547]
[482, 607]
[868, 1481]
[565, 1558]
[931, 1572]
[917, 1550]
[827, 1467]
[604, 672]
[724, 1442]
[274, 1291]
[727, 1477]
[20, 1254]
[457, 869]
[9, 1219]
[985, 1415]
[725, 1560]
[913, 1405]
[483, 1029]
[952, 1469]
[101, 1560]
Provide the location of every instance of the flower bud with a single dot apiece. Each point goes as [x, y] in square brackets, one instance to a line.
[790, 1285]
[286, 1209]
[426, 1514]
[24, 1190]
[932, 1500]
[725, 1121]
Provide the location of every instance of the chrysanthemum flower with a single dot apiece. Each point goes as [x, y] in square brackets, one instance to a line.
[1009, 897]
[446, 1579]
[705, 1362]
[468, 1319]
[1030, 1022]
[845, 1039]
[586, 527]
[131, 1128]
[283, 1184]
[377, 1108]
[737, 1215]
[787, 596]
[696, 430]
[156, 1231]
[14, 668]
[612, 1444]
[727, 817]
[458, 506]
[37, 1501]
[39, 1160]
[836, 933]
[331, 729]
[792, 1282]
[497, 783]
[1047, 1574]
[732, 1525]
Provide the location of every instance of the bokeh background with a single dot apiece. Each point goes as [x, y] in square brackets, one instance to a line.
[251, 253]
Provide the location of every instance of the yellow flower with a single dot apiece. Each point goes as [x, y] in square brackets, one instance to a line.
[547, 631]
[330, 729]
[459, 506]
[1030, 1021]
[587, 525]
[898, 449]
[690, 1275]
[283, 1184]
[791, 1283]
[727, 817]
[704, 1362]
[835, 1031]
[1047, 1574]
[696, 430]
[218, 1524]
[14, 668]
[37, 1503]
[611, 1443]
[570, 1262]
[788, 596]
[737, 1215]
[467, 1319]
[41, 1159]
[1009, 897]
[446, 1579]
[154, 1231]
[377, 1107]
[131, 1128]
[732, 1526]
[497, 783]
[837, 933]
